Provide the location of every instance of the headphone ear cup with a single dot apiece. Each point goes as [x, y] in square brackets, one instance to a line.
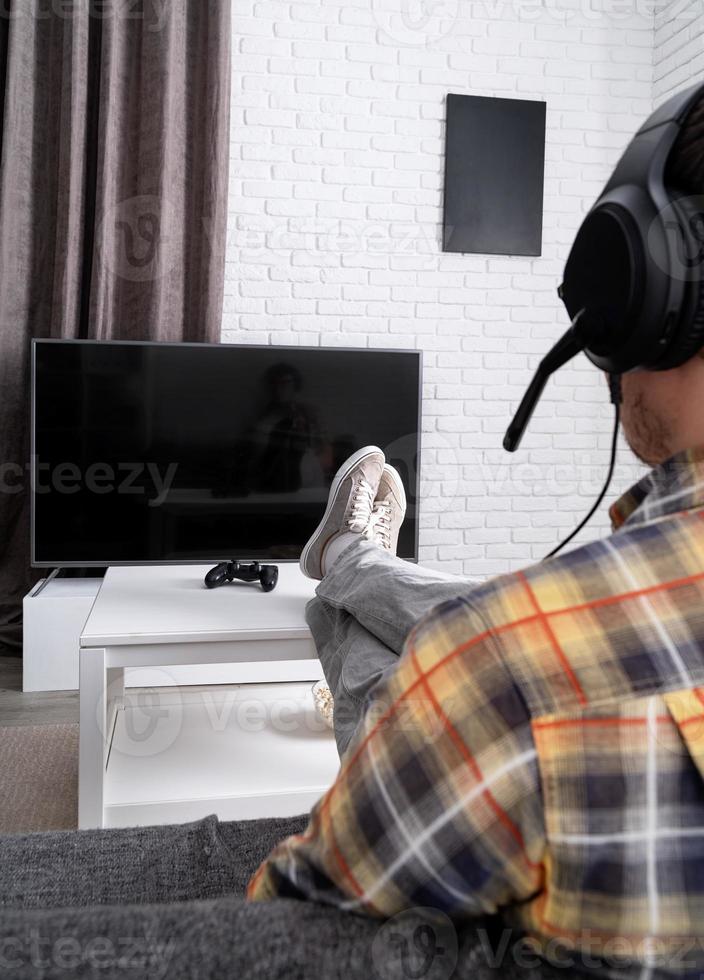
[688, 265]
[611, 274]
[695, 338]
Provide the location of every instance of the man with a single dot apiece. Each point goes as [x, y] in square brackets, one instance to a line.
[533, 744]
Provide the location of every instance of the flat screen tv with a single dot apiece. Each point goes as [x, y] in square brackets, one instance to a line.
[494, 174]
[184, 453]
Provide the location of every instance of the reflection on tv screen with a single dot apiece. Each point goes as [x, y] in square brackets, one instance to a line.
[159, 453]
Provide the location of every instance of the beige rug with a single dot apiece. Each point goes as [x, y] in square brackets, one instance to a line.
[38, 777]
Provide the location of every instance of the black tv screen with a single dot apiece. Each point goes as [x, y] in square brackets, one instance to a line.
[158, 453]
[494, 174]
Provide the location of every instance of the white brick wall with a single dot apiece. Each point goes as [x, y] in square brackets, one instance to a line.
[334, 230]
[678, 53]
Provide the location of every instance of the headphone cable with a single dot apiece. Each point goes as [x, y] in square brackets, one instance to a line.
[616, 398]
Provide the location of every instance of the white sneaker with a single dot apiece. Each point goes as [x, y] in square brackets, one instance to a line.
[350, 506]
[389, 510]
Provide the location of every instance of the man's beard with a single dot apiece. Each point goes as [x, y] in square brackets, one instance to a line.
[647, 433]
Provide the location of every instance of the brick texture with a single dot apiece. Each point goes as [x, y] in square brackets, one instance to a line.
[336, 182]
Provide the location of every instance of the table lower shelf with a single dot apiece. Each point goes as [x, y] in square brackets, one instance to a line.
[242, 752]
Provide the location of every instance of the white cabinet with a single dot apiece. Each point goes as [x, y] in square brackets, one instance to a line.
[55, 612]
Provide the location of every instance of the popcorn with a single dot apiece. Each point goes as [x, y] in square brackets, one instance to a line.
[324, 701]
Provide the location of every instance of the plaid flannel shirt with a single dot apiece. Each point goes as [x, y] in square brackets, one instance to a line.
[540, 750]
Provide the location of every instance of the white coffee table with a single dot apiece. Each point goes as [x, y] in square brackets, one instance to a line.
[178, 753]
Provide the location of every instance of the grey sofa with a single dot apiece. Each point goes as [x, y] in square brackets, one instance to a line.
[166, 902]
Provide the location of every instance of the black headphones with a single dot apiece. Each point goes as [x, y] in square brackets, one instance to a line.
[633, 283]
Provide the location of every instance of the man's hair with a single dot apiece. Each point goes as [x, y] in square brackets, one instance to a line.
[685, 168]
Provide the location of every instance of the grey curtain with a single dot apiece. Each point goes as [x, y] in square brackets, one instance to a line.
[114, 118]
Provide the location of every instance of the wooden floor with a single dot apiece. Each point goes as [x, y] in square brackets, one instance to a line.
[45, 708]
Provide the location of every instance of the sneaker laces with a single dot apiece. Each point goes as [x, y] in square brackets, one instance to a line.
[361, 510]
[379, 529]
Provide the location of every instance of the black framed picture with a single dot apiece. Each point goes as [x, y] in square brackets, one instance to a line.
[494, 175]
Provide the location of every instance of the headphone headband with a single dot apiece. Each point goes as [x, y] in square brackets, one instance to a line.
[645, 159]
[675, 109]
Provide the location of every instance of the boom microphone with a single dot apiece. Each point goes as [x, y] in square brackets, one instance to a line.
[577, 338]
[582, 334]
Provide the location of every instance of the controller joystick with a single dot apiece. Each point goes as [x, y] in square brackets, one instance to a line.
[252, 571]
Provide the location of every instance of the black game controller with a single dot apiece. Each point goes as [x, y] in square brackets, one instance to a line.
[245, 571]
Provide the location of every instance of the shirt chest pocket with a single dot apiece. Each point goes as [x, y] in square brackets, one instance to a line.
[620, 790]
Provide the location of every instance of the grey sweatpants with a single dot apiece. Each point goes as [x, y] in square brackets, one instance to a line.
[364, 609]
